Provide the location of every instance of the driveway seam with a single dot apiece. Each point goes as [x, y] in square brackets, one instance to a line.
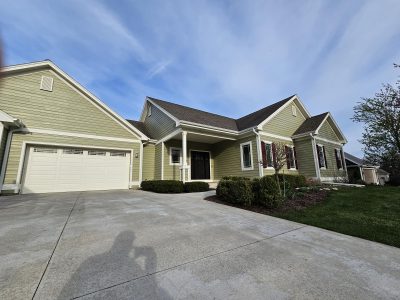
[188, 262]
[55, 246]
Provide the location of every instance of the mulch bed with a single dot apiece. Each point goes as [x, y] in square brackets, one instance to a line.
[299, 203]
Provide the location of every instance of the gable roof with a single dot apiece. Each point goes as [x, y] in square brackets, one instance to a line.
[311, 124]
[185, 113]
[140, 126]
[48, 64]
[354, 159]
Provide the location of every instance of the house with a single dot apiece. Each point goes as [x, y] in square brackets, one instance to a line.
[359, 169]
[56, 136]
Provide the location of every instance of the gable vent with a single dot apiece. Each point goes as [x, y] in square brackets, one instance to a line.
[46, 84]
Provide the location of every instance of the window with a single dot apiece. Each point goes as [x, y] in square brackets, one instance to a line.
[120, 154]
[267, 154]
[98, 153]
[149, 110]
[45, 150]
[73, 151]
[339, 158]
[246, 156]
[290, 157]
[321, 156]
[294, 110]
[175, 156]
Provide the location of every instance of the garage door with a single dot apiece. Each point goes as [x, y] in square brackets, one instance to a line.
[72, 169]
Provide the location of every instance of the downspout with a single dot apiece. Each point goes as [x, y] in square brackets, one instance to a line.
[259, 155]
[314, 148]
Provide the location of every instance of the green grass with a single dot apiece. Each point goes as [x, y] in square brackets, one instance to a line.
[371, 213]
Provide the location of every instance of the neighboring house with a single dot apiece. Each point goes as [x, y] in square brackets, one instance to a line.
[57, 136]
[359, 169]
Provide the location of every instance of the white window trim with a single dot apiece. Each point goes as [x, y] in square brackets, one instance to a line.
[338, 150]
[272, 155]
[294, 110]
[294, 158]
[251, 156]
[321, 168]
[170, 156]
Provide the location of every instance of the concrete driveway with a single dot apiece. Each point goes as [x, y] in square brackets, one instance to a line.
[138, 245]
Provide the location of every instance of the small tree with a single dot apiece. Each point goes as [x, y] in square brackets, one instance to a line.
[279, 160]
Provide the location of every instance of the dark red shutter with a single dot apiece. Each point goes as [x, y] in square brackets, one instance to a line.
[319, 158]
[326, 164]
[264, 155]
[295, 158]
[287, 157]
[274, 154]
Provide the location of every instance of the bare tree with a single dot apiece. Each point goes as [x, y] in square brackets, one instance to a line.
[279, 159]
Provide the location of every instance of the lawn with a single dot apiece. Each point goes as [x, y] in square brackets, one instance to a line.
[371, 213]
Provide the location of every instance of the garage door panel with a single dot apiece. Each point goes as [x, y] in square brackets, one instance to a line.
[75, 170]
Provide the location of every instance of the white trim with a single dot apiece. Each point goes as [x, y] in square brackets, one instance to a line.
[190, 169]
[170, 156]
[5, 117]
[80, 135]
[295, 97]
[259, 154]
[28, 143]
[141, 162]
[272, 155]
[323, 153]
[328, 141]
[315, 155]
[184, 155]
[294, 159]
[169, 136]
[294, 110]
[163, 110]
[251, 156]
[280, 137]
[162, 160]
[78, 88]
[212, 128]
[211, 135]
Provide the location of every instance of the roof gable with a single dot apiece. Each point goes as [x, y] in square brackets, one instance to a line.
[21, 69]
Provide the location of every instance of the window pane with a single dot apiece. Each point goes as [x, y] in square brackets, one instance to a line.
[291, 158]
[175, 156]
[246, 156]
[321, 156]
[268, 150]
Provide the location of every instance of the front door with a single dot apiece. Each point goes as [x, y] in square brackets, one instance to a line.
[200, 165]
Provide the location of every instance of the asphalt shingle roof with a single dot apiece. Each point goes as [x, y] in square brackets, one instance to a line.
[354, 159]
[189, 114]
[140, 126]
[311, 124]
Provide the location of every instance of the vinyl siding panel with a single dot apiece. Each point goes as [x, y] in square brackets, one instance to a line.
[148, 162]
[271, 171]
[305, 157]
[18, 139]
[159, 124]
[63, 109]
[157, 161]
[284, 123]
[227, 159]
[331, 170]
[327, 132]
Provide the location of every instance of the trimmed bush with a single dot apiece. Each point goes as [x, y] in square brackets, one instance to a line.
[163, 186]
[235, 178]
[196, 186]
[394, 180]
[292, 181]
[268, 192]
[237, 191]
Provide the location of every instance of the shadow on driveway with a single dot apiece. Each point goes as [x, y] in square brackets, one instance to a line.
[98, 273]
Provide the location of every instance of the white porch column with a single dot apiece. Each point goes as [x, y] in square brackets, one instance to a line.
[184, 155]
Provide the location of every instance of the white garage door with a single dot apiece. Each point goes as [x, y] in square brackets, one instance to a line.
[72, 169]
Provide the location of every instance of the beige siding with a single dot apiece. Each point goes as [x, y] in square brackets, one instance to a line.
[271, 171]
[148, 162]
[159, 124]
[331, 171]
[284, 123]
[63, 109]
[305, 157]
[227, 159]
[18, 139]
[327, 132]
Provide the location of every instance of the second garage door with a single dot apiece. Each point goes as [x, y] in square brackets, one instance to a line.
[51, 169]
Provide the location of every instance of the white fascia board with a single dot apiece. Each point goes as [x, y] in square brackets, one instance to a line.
[79, 88]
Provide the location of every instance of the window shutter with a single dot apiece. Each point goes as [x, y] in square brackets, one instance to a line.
[295, 158]
[326, 164]
[287, 157]
[319, 159]
[264, 155]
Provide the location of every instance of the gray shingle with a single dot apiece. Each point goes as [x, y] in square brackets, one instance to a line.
[311, 124]
[140, 126]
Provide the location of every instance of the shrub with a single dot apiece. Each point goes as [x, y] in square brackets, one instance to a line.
[163, 186]
[197, 186]
[235, 178]
[292, 181]
[238, 191]
[394, 180]
[268, 192]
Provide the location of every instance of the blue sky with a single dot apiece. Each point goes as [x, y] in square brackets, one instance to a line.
[227, 57]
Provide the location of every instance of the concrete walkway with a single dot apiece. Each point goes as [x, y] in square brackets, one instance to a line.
[138, 245]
